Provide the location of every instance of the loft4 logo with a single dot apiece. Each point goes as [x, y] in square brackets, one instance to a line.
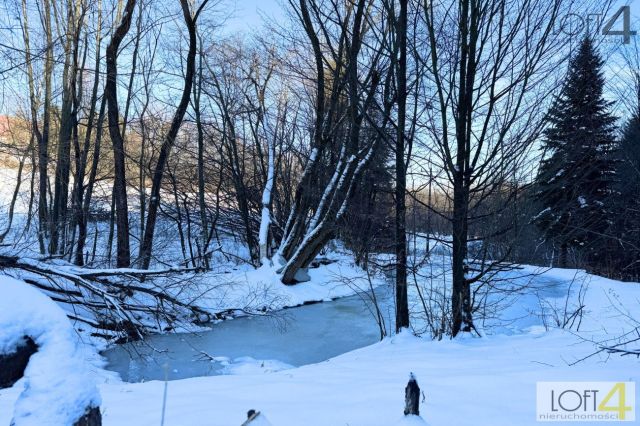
[586, 401]
[576, 23]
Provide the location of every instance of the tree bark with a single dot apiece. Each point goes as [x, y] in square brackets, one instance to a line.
[202, 207]
[86, 204]
[123, 259]
[402, 304]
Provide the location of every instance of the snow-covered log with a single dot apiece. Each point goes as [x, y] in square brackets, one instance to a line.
[58, 387]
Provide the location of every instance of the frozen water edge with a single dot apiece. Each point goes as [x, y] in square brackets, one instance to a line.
[292, 337]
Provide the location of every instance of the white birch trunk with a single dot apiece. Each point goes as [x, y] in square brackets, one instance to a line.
[265, 220]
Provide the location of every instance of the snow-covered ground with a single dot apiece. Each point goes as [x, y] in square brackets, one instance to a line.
[58, 385]
[470, 381]
[228, 291]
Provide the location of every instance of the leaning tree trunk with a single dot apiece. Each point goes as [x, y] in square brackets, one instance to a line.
[158, 173]
[14, 197]
[302, 240]
[293, 229]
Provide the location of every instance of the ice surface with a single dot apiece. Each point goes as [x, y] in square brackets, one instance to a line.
[292, 337]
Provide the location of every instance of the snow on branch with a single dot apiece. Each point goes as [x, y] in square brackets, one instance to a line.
[118, 304]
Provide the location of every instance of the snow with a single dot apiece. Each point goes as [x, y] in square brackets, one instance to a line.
[582, 201]
[261, 289]
[58, 386]
[259, 420]
[472, 381]
[411, 420]
[488, 381]
[248, 365]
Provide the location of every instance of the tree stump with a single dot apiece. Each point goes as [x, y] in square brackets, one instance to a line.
[412, 397]
[92, 417]
[12, 365]
[254, 418]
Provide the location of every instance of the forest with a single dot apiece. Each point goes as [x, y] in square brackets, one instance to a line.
[442, 176]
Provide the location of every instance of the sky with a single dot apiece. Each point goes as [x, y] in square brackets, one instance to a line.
[247, 15]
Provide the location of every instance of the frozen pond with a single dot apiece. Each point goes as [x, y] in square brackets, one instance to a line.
[293, 337]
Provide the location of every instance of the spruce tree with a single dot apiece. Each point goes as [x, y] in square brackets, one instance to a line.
[576, 176]
[628, 203]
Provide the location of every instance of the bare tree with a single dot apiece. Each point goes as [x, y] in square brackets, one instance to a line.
[110, 92]
[344, 95]
[146, 245]
[68, 129]
[490, 67]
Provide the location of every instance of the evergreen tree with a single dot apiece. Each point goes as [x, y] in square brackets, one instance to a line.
[628, 203]
[576, 176]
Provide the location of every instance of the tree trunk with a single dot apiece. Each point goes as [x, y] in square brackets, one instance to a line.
[14, 198]
[41, 137]
[564, 255]
[202, 207]
[412, 397]
[120, 182]
[266, 201]
[461, 294]
[294, 228]
[402, 304]
[84, 214]
[68, 130]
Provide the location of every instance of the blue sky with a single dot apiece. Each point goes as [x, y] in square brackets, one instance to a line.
[247, 14]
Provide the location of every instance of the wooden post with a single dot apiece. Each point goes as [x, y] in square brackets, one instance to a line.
[412, 397]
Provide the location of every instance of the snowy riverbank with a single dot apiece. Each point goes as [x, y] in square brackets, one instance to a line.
[472, 381]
